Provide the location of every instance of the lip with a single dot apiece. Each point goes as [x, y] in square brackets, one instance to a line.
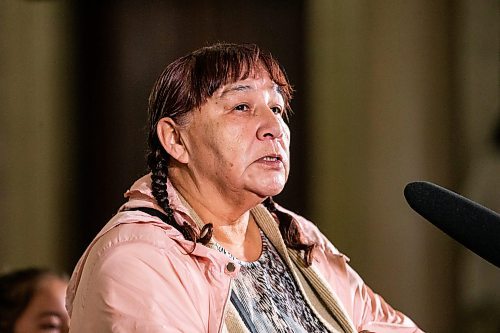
[271, 160]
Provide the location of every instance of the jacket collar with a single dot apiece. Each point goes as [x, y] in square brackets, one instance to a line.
[140, 195]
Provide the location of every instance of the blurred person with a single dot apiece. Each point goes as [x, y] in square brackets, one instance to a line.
[32, 301]
[200, 245]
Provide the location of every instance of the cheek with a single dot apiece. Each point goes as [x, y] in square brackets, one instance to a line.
[286, 130]
[235, 157]
[286, 138]
[233, 142]
[286, 147]
[222, 150]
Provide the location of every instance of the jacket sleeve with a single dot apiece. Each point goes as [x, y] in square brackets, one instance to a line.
[368, 310]
[139, 287]
[373, 313]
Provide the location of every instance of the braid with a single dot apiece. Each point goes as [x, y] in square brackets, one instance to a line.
[290, 231]
[158, 163]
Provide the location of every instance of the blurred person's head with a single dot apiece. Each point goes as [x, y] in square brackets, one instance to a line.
[32, 300]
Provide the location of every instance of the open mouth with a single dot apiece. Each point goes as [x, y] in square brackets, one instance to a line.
[271, 158]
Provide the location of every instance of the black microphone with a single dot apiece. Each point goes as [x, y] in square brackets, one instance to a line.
[474, 226]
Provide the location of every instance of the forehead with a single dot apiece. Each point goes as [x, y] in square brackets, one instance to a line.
[52, 286]
[258, 81]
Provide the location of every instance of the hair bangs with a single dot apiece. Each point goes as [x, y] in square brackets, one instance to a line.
[223, 64]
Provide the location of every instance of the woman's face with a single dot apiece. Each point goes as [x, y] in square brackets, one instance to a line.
[238, 141]
[46, 312]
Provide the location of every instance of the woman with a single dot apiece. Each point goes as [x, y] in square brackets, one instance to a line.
[32, 301]
[200, 246]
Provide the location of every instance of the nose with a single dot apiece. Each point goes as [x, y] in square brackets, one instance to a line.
[270, 126]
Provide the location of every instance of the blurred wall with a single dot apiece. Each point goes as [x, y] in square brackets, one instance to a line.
[36, 134]
[387, 93]
[382, 117]
[477, 97]
[402, 91]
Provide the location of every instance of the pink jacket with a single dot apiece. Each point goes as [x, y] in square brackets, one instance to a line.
[138, 275]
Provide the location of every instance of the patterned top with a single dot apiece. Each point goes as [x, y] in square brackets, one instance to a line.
[270, 294]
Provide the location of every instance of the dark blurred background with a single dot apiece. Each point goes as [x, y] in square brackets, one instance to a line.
[387, 92]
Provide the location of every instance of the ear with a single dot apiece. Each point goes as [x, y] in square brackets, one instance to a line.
[169, 135]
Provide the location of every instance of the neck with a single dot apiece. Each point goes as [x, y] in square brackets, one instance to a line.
[213, 205]
[233, 225]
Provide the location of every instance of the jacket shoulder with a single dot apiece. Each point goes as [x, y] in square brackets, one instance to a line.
[125, 234]
[311, 232]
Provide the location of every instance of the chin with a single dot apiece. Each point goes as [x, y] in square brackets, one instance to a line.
[267, 186]
[270, 194]
[271, 190]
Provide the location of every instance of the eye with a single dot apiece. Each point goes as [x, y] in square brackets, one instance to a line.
[242, 107]
[51, 328]
[52, 324]
[277, 110]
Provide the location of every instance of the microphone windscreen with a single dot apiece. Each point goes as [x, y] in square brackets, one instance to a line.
[474, 226]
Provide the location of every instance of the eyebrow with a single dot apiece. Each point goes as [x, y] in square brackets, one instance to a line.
[49, 314]
[233, 88]
[244, 87]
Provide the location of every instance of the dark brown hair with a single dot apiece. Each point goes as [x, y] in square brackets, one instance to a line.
[185, 85]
